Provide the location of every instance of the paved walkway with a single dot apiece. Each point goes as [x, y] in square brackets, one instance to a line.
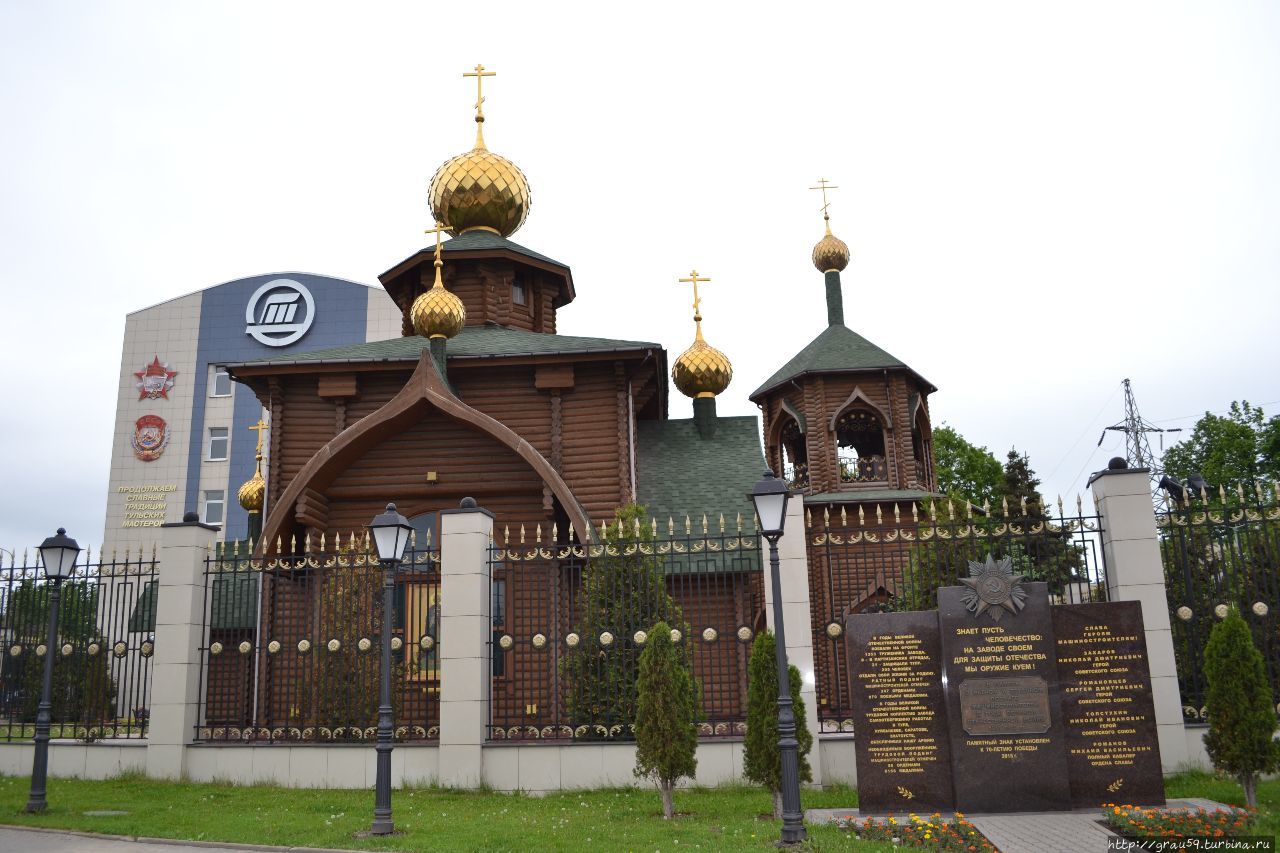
[1034, 832]
[14, 840]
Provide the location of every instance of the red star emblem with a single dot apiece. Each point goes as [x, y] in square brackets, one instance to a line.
[154, 380]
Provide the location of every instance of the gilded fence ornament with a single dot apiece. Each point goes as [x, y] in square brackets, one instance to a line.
[245, 647]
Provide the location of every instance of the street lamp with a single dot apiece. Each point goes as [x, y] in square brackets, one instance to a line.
[58, 556]
[770, 498]
[390, 535]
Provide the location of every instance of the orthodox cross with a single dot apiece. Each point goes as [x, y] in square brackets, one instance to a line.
[479, 74]
[258, 428]
[440, 227]
[824, 185]
[695, 278]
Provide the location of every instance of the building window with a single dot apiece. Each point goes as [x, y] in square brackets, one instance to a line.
[213, 507]
[860, 446]
[795, 455]
[221, 384]
[517, 293]
[219, 442]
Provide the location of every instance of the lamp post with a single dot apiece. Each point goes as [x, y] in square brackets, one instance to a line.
[58, 556]
[390, 535]
[770, 498]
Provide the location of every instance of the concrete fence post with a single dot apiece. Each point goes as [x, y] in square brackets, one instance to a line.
[793, 570]
[175, 668]
[465, 632]
[1135, 573]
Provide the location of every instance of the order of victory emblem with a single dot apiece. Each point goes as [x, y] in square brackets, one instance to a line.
[155, 381]
[150, 435]
[993, 588]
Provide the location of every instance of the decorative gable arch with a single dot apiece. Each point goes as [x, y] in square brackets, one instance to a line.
[859, 397]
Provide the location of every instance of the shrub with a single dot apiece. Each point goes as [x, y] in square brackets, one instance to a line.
[667, 708]
[762, 760]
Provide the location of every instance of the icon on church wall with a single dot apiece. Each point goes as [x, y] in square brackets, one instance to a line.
[150, 435]
[279, 313]
[155, 381]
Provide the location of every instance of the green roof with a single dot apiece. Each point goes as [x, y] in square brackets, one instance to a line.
[472, 342]
[678, 472]
[837, 349]
[484, 240]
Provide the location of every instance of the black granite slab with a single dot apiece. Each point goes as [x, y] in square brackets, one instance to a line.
[900, 724]
[1113, 754]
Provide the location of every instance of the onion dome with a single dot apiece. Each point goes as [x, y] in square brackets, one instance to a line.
[253, 491]
[438, 313]
[702, 370]
[830, 253]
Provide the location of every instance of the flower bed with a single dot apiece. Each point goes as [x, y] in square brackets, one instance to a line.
[922, 833]
[1139, 822]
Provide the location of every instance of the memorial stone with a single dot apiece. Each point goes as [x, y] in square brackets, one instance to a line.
[901, 740]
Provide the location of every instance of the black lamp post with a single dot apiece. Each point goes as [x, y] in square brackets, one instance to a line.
[390, 535]
[58, 556]
[770, 499]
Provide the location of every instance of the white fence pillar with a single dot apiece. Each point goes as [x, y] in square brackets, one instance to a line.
[465, 632]
[1135, 573]
[175, 669]
[793, 571]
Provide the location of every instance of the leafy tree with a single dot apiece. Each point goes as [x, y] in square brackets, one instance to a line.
[1043, 553]
[965, 470]
[666, 711]
[762, 761]
[623, 591]
[1240, 448]
[1242, 722]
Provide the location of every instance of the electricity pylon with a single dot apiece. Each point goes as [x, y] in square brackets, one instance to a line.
[1137, 448]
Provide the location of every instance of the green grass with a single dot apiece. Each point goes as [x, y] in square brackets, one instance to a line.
[726, 818]
[1227, 790]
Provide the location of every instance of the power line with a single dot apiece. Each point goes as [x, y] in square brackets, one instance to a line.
[1137, 447]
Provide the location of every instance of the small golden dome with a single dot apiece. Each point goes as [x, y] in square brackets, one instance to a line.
[702, 370]
[438, 313]
[253, 492]
[480, 189]
[830, 253]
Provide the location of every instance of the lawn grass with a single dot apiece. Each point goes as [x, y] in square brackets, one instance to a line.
[724, 818]
[1227, 790]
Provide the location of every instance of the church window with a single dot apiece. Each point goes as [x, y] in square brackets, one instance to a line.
[517, 293]
[860, 448]
[795, 455]
[214, 502]
[219, 444]
[221, 384]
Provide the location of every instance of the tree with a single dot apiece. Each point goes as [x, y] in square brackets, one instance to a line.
[762, 761]
[1042, 553]
[964, 470]
[666, 711]
[1241, 719]
[1240, 448]
[623, 591]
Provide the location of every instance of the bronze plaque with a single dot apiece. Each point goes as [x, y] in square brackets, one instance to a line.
[1005, 706]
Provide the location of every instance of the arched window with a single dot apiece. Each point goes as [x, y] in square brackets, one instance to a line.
[795, 455]
[860, 447]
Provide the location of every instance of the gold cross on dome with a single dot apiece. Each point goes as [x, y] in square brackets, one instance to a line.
[824, 185]
[479, 74]
[438, 230]
[695, 278]
[259, 427]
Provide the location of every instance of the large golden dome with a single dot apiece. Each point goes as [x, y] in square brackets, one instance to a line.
[254, 490]
[480, 189]
[830, 253]
[702, 370]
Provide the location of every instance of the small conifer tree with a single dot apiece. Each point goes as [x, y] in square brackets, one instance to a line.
[1242, 720]
[666, 710]
[762, 759]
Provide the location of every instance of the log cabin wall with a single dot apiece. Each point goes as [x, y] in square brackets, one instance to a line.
[486, 290]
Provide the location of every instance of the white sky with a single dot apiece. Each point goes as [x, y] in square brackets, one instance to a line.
[1041, 199]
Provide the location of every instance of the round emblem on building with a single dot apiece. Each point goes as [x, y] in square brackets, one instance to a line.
[150, 437]
[364, 644]
[639, 637]
[606, 639]
[710, 634]
[571, 640]
[119, 649]
[1221, 611]
[745, 634]
[245, 647]
[1185, 613]
[834, 630]
[304, 646]
[506, 641]
[539, 641]
[273, 646]
[279, 313]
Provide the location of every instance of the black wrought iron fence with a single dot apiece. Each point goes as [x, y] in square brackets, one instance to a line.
[291, 649]
[1221, 552]
[571, 619]
[102, 653]
[880, 557]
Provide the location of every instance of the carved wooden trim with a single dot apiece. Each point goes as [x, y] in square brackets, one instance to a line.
[859, 396]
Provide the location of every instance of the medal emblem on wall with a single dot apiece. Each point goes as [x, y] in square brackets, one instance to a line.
[154, 381]
[150, 435]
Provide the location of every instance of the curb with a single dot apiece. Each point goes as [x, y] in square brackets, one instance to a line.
[178, 842]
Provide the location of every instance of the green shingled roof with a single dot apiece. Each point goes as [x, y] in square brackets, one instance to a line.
[679, 472]
[837, 349]
[472, 342]
[484, 240]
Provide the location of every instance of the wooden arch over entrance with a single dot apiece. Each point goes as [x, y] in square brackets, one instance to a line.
[424, 390]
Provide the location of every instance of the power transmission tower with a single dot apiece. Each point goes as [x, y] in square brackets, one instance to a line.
[1137, 448]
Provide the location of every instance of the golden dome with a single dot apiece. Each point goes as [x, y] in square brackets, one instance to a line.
[480, 189]
[702, 370]
[253, 491]
[438, 313]
[830, 253]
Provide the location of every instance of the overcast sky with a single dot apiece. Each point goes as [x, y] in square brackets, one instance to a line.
[1041, 199]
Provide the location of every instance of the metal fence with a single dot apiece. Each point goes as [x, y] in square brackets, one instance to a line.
[102, 653]
[892, 557]
[1221, 552]
[291, 650]
[571, 619]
